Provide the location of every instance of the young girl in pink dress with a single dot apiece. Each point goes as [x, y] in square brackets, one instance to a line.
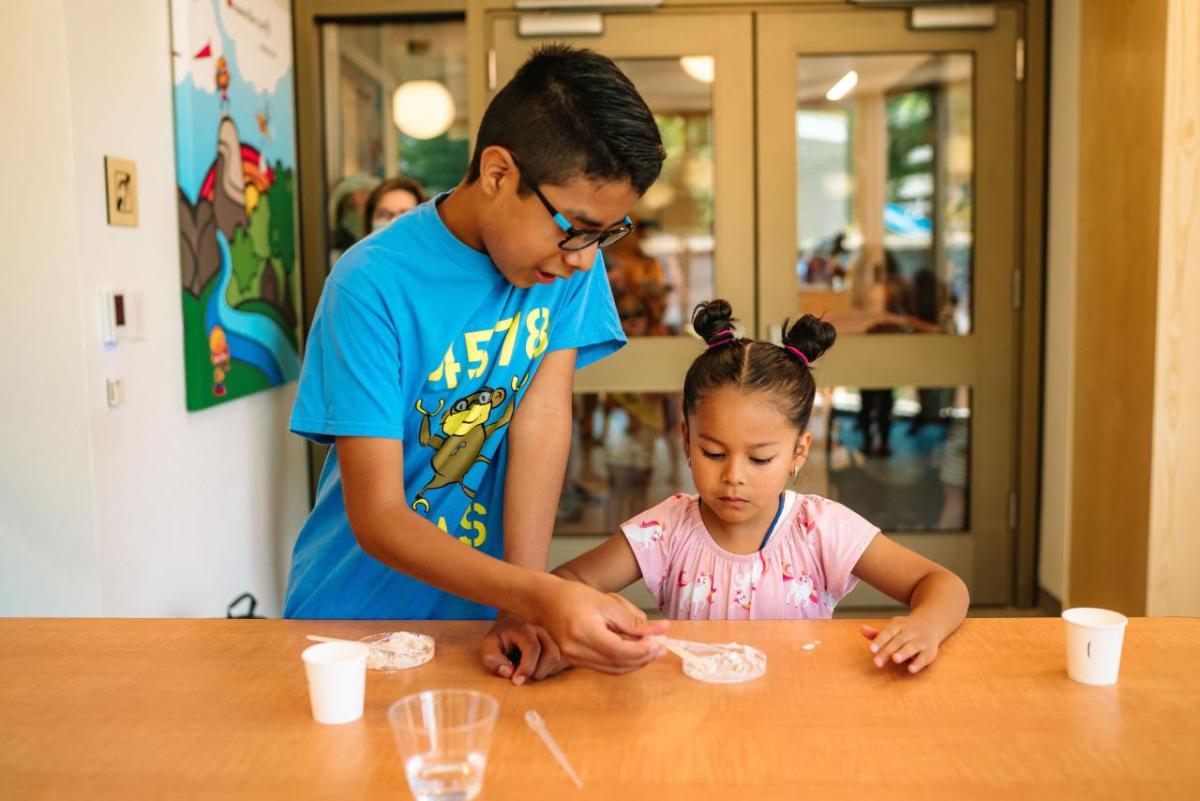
[745, 547]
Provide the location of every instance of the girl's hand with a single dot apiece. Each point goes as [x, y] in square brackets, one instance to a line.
[937, 600]
[904, 639]
[539, 656]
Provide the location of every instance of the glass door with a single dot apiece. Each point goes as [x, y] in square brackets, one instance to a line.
[394, 96]
[694, 241]
[886, 186]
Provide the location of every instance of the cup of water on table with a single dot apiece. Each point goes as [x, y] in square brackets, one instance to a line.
[443, 738]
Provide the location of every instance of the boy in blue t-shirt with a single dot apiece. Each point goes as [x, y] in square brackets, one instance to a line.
[439, 366]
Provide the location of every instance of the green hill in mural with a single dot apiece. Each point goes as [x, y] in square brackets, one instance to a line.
[239, 279]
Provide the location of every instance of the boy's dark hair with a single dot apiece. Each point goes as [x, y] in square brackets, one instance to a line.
[571, 112]
[754, 366]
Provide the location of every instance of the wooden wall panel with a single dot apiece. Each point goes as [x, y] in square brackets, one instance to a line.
[1122, 50]
[1174, 569]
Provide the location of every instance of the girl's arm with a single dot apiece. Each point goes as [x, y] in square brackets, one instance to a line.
[937, 600]
[609, 567]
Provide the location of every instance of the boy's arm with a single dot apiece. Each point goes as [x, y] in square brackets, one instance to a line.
[539, 444]
[586, 625]
[937, 600]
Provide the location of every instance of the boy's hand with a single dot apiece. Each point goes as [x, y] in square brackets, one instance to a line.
[540, 658]
[602, 631]
[904, 639]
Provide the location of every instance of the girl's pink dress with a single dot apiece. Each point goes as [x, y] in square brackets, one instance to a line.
[802, 571]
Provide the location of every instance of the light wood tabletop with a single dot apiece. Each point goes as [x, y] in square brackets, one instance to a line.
[219, 709]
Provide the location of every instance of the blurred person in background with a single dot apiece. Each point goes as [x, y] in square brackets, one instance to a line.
[393, 197]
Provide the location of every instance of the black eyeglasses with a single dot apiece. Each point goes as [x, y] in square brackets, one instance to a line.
[576, 239]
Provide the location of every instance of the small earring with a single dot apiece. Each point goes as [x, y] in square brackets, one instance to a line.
[795, 471]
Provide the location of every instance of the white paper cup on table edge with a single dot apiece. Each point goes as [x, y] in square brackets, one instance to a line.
[1094, 639]
[337, 678]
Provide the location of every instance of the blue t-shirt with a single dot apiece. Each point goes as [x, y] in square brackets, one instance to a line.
[420, 338]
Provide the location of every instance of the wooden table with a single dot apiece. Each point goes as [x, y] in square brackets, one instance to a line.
[219, 709]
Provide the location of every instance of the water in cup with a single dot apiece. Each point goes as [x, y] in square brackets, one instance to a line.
[434, 777]
[443, 738]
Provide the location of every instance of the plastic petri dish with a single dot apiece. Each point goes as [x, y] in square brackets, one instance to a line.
[725, 663]
[398, 650]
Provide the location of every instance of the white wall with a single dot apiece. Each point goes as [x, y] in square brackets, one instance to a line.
[1061, 267]
[189, 509]
[47, 534]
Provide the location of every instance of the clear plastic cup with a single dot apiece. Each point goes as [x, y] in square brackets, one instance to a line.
[1094, 639]
[443, 737]
[337, 677]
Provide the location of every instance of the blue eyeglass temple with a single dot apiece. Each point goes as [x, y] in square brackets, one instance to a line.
[568, 228]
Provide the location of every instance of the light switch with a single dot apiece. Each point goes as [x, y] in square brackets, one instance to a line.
[121, 189]
[115, 391]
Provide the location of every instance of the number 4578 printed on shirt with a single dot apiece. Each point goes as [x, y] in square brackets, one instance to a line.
[536, 329]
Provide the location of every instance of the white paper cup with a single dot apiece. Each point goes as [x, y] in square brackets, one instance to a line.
[1094, 638]
[337, 677]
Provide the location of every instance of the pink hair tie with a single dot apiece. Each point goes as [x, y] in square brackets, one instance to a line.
[799, 353]
[720, 338]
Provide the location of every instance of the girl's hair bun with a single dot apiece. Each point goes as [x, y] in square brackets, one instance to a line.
[810, 335]
[711, 318]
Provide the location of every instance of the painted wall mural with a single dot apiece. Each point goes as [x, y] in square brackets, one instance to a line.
[235, 169]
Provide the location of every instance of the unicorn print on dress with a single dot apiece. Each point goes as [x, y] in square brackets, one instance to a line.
[743, 590]
[745, 585]
[646, 534]
[697, 593]
[800, 590]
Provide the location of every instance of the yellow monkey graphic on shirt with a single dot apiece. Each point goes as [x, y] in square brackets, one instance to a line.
[464, 433]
